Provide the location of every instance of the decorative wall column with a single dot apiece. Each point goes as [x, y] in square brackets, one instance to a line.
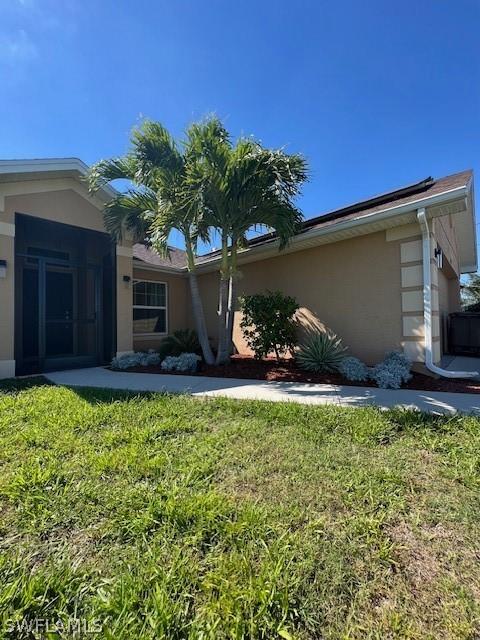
[413, 329]
[124, 299]
[7, 294]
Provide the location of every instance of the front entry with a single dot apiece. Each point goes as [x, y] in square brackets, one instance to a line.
[61, 300]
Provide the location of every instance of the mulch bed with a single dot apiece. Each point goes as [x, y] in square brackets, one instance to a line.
[286, 371]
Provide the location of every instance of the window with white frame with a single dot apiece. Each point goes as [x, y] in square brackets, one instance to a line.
[149, 307]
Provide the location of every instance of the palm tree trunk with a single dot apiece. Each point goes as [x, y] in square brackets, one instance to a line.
[222, 354]
[232, 300]
[197, 306]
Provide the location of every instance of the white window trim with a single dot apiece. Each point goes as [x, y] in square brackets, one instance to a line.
[153, 334]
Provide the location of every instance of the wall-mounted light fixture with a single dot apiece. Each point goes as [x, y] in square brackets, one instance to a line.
[3, 268]
[439, 256]
[126, 278]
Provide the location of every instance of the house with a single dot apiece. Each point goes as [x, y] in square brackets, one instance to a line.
[382, 273]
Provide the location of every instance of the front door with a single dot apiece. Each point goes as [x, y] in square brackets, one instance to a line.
[60, 315]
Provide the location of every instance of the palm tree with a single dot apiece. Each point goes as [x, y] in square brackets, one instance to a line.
[161, 198]
[244, 187]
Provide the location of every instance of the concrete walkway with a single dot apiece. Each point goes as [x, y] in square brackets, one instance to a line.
[433, 402]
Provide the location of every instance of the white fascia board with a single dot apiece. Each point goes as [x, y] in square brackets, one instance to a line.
[146, 266]
[51, 165]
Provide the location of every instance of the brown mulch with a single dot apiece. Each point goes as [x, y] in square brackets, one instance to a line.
[270, 369]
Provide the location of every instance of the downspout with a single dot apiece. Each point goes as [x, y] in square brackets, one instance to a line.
[427, 304]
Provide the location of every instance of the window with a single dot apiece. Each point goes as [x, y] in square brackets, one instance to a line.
[149, 307]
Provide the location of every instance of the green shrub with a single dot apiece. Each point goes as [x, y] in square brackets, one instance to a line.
[323, 351]
[180, 341]
[267, 323]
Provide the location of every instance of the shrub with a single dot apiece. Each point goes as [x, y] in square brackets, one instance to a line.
[353, 369]
[268, 324]
[400, 359]
[186, 363]
[323, 351]
[138, 359]
[393, 371]
[180, 341]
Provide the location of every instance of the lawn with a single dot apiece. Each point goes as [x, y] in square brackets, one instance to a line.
[171, 517]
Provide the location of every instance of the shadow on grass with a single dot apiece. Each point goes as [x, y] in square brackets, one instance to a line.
[15, 385]
[99, 395]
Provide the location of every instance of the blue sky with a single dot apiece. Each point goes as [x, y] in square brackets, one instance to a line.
[376, 94]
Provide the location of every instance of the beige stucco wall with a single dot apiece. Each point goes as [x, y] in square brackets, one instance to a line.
[7, 307]
[352, 286]
[65, 205]
[124, 303]
[177, 305]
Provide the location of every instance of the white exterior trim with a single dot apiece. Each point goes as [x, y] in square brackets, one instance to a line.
[7, 229]
[50, 165]
[7, 369]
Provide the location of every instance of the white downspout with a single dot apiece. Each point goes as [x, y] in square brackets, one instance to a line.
[427, 304]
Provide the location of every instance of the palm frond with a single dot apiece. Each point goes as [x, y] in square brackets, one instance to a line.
[130, 211]
[105, 171]
[155, 152]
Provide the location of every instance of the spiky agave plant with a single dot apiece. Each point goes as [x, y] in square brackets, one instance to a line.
[322, 352]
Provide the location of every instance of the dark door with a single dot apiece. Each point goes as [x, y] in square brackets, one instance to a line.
[59, 312]
[61, 320]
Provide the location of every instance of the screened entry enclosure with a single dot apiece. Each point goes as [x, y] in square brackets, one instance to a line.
[64, 306]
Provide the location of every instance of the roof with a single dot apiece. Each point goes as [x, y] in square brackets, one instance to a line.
[398, 206]
[38, 168]
[176, 259]
[411, 194]
[404, 195]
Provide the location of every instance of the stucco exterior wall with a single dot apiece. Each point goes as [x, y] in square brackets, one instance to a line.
[63, 205]
[352, 286]
[7, 306]
[177, 305]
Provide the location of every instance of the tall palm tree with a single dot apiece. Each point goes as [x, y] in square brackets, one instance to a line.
[244, 186]
[161, 198]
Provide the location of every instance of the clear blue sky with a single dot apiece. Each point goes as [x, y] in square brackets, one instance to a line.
[376, 94]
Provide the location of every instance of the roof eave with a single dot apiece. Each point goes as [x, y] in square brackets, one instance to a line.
[52, 167]
[399, 214]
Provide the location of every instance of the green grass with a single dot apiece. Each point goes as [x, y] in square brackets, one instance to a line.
[156, 517]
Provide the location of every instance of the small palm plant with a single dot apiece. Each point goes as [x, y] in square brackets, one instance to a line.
[322, 352]
[180, 341]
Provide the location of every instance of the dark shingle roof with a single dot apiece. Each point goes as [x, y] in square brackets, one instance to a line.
[177, 258]
[419, 190]
[423, 189]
